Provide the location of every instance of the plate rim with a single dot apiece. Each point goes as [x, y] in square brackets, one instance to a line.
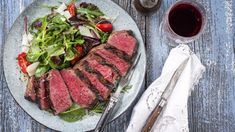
[113, 118]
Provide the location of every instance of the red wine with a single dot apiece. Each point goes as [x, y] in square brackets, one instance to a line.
[185, 20]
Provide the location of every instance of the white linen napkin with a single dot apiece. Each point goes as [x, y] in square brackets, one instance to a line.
[174, 118]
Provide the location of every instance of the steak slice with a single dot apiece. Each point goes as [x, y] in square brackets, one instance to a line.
[124, 41]
[42, 94]
[103, 91]
[113, 59]
[118, 52]
[30, 93]
[107, 72]
[79, 90]
[58, 92]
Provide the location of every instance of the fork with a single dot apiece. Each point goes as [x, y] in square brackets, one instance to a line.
[115, 97]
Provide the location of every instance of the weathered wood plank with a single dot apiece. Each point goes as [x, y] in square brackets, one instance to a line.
[211, 106]
[9, 107]
[212, 102]
[2, 13]
[157, 49]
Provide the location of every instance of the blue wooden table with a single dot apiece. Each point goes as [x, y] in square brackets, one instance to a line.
[212, 103]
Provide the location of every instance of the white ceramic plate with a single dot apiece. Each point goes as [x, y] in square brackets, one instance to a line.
[17, 87]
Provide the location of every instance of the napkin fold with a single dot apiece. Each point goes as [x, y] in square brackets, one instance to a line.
[174, 117]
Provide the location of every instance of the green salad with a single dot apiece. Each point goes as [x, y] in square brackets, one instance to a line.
[61, 38]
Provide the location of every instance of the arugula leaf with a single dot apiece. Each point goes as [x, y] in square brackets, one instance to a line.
[126, 88]
[62, 66]
[70, 55]
[41, 70]
[44, 59]
[33, 57]
[75, 113]
[104, 37]
[91, 13]
[99, 108]
[55, 50]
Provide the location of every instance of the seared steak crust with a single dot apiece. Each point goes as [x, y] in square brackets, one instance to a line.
[102, 89]
[113, 59]
[31, 90]
[119, 53]
[99, 76]
[42, 93]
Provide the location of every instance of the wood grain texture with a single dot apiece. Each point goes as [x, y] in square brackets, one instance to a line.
[212, 103]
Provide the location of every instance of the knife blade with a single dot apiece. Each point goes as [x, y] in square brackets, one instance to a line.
[164, 98]
[115, 98]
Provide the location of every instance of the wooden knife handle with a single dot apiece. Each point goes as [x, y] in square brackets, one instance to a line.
[153, 117]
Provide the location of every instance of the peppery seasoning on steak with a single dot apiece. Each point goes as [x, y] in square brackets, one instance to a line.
[31, 89]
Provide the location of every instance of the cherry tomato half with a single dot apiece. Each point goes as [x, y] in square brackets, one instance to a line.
[72, 9]
[22, 62]
[79, 49]
[105, 27]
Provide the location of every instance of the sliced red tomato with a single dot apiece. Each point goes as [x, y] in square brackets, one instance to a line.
[105, 27]
[72, 9]
[75, 60]
[79, 49]
[22, 62]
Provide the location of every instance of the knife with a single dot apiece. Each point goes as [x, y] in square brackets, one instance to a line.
[164, 98]
[115, 98]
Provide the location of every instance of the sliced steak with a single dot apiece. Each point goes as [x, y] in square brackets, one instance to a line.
[30, 93]
[42, 94]
[107, 72]
[124, 41]
[79, 90]
[113, 59]
[58, 92]
[103, 91]
[119, 53]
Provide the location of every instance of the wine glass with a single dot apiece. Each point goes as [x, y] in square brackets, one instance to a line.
[183, 22]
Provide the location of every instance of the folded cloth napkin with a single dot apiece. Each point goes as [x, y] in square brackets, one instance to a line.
[174, 117]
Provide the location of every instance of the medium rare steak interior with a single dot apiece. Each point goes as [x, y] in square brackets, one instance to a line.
[103, 91]
[106, 72]
[124, 41]
[90, 81]
[113, 59]
[79, 90]
[58, 92]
